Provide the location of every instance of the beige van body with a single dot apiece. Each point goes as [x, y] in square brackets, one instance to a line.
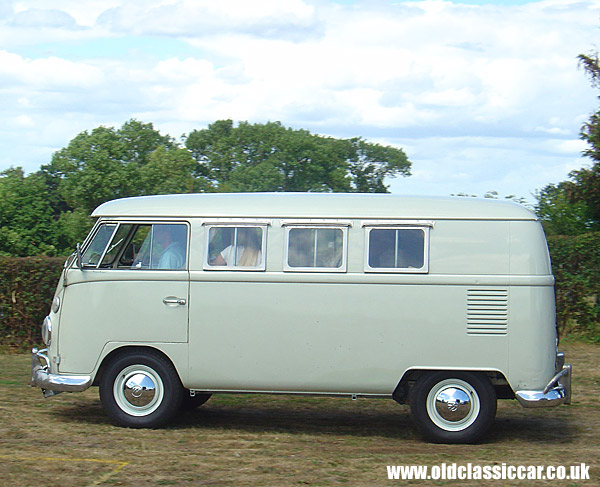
[446, 303]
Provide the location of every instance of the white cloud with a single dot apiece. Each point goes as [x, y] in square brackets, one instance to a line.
[36, 18]
[183, 72]
[475, 165]
[84, 13]
[49, 74]
[476, 95]
[199, 18]
[24, 121]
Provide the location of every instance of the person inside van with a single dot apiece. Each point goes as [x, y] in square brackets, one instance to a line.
[244, 252]
[170, 238]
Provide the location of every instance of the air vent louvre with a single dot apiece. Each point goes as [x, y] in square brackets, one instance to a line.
[487, 311]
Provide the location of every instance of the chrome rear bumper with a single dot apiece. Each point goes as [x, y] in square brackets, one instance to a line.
[52, 384]
[556, 392]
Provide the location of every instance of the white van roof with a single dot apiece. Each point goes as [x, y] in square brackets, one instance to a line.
[313, 205]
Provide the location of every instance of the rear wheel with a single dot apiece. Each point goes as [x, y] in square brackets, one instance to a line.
[453, 407]
[140, 390]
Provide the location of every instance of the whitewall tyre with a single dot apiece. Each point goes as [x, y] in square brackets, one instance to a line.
[453, 407]
[140, 389]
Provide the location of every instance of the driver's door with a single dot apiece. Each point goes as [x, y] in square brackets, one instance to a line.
[122, 294]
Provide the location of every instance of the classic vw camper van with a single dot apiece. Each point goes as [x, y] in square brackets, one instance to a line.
[446, 304]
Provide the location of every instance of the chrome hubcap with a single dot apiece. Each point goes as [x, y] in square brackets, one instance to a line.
[138, 390]
[453, 405]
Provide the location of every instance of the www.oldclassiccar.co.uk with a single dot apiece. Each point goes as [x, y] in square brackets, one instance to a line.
[453, 471]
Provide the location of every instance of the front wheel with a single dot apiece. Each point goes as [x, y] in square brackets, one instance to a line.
[140, 390]
[453, 407]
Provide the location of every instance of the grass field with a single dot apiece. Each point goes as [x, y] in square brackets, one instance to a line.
[277, 441]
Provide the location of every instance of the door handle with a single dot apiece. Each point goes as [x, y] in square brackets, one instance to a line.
[173, 300]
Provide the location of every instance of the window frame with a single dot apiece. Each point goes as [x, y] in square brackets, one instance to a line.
[135, 224]
[235, 223]
[89, 240]
[153, 225]
[316, 224]
[424, 225]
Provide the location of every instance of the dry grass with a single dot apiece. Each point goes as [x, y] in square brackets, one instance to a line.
[275, 441]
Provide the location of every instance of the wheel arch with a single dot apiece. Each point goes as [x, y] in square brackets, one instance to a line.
[402, 392]
[127, 349]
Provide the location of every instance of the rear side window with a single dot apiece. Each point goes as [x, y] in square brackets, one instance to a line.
[398, 249]
[316, 248]
[235, 247]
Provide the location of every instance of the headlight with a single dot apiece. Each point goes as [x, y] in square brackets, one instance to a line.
[55, 304]
[47, 331]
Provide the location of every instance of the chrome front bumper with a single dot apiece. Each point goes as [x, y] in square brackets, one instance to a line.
[556, 392]
[52, 384]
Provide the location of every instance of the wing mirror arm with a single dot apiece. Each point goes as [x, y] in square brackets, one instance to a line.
[79, 256]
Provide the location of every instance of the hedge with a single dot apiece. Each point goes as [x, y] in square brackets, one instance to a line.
[576, 267]
[27, 286]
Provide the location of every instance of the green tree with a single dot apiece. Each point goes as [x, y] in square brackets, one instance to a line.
[587, 180]
[47, 212]
[170, 171]
[572, 207]
[271, 157]
[90, 170]
[27, 226]
[140, 140]
[560, 213]
[109, 163]
[103, 164]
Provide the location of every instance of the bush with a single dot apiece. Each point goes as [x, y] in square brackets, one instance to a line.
[576, 267]
[27, 286]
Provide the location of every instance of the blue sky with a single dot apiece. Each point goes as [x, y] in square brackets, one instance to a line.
[122, 47]
[481, 95]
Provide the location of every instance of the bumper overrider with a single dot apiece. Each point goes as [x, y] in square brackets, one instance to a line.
[557, 391]
[52, 384]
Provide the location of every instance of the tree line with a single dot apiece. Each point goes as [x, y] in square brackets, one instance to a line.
[45, 212]
[572, 207]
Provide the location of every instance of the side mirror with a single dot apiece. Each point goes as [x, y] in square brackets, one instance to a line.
[79, 256]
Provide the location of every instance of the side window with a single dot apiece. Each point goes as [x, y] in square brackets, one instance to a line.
[138, 246]
[397, 249]
[315, 249]
[116, 245]
[158, 246]
[235, 247]
[137, 253]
